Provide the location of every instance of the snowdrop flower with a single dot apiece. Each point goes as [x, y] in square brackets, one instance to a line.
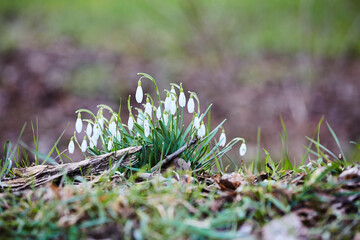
[110, 144]
[78, 124]
[242, 149]
[148, 108]
[202, 131]
[158, 113]
[146, 128]
[88, 129]
[97, 131]
[191, 104]
[71, 146]
[222, 139]
[130, 122]
[112, 128]
[166, 117]
[139, 93]
[84, 145]
[118, 135]
[167, 102]
[196, 121]
[182, 98]
[173, 105]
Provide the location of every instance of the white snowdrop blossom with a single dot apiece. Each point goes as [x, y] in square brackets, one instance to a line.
[158, 113]
[89, 129]
[173, 105]
[191, 104]
[167, 102]
[202, 131]
[130, 122]
[96, 131]
[101, 122]
[139, 93]
[84, 145]
[182, 98]
[146, 128]
[78, 124]
[148, 108]
[110, 144]
[112, 128]
[242, 149]
[118, 135]
[71, 146]
[222, 139]
[166, 117]
[196, 121]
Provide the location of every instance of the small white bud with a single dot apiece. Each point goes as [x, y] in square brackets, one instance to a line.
[158, 113]
[222, 139]
[191, 105]
[167, 102]
[71, 146]
[84, 145]
[118, 135]
[148, 108]
[89, 129]
[202, 131]
[242, 149]
[112, 128]
[97, 131]
[110, 144]
[146, 128]
[78, 124]
[139, 93]
[173, 105]
[130, 122]
[166, 117]
[182, 99]
[196, 122]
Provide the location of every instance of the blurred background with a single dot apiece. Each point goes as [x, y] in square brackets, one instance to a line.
[254, 60]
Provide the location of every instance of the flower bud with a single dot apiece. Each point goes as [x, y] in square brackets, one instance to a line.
[191, 104]
[222, 139]
[71, 146]
[242, 149]
[139, 93]
[84, 145]
[78, 124]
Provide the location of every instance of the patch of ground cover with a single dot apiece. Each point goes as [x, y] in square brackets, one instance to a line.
[318, 201]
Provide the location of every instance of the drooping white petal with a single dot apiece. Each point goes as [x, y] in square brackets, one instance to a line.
[139, 93]
[112, 128]
[222, 139]
[130, 123]
[167, 103]
[197, 122]
[158, 113]
[166, 117]
[242, 149]
[146, 128]
[182, 99]
[78, 125]
[110, 144]
[148, 109]
[118, 135]
[173, 106]
[202, 129]
[71, 146]
[89, 130]
[96, 131]
[191, 105]
[84, 145]
[101, 122]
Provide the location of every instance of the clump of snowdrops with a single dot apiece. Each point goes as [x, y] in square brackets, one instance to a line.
[159, 129]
